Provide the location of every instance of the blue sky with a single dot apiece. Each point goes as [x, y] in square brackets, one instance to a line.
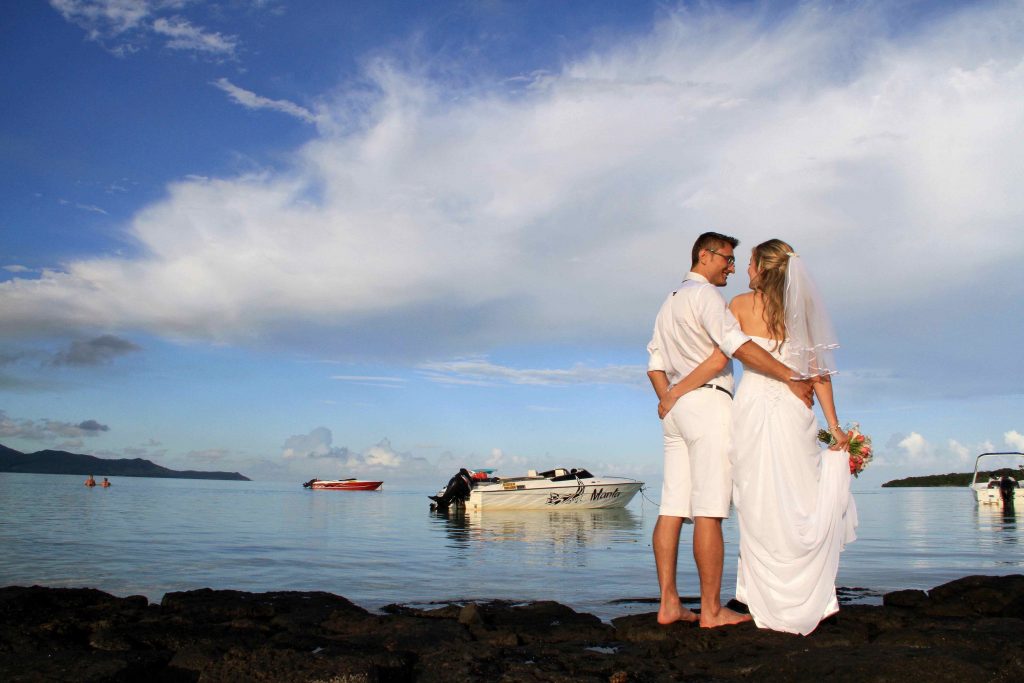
[300, 239]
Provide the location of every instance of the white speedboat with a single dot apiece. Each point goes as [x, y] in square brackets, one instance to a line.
[560, 488]
[994, 489]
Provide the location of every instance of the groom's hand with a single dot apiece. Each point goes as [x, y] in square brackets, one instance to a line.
[804, 390]
[665, 405]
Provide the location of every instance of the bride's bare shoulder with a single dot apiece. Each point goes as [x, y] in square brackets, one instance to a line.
[742, 300]
[743, 307]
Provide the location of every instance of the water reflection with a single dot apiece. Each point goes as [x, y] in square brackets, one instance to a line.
[539, 531]
[999, 520]
[914, 513]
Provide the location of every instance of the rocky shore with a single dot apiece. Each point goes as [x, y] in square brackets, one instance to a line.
[971, 629]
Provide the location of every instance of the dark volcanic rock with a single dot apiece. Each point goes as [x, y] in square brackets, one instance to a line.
[969, 629]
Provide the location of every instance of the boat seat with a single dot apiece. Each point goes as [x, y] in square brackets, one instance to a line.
[572, 474]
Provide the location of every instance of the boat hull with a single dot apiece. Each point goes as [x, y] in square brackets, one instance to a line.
[588, 494]
[986, 496]
[346, 485]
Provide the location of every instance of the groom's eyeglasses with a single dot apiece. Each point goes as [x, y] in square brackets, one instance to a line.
[731, 260]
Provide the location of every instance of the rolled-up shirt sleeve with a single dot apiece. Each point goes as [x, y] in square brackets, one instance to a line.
[720, 323]
[655, 361]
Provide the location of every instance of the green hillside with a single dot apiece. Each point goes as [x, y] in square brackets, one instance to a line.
[952, 479]
[62, 462]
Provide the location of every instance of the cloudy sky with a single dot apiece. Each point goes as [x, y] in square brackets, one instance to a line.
[300, 239]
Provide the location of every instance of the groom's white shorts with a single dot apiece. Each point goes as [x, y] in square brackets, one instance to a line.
[698, 475]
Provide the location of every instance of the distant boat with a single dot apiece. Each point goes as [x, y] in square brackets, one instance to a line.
[558, 488]
[342, 485]
[998, 490]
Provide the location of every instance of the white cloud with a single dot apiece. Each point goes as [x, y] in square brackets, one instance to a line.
[184, 36]
[916, 448]
[92, 208]
[102, 18]
[482, 372]
[382, 459]
[98, 351]
[505, 463]
[47, 430]
[380, 455]
[920, 456]
[126, 25]
[962, 452]
[316, 444]
[372, 381]
[377, 460]
[1014, 440]
[251, 100]
[431, 221]
[366, 378]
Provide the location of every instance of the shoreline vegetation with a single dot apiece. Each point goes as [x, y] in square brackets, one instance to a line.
[952, 479]
[970, 629]
[63, 462]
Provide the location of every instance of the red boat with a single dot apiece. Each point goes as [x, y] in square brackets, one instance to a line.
[343, 484]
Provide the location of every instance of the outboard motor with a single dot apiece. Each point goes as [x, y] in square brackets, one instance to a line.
[309, 484]
[1008, 490]
[457, 490]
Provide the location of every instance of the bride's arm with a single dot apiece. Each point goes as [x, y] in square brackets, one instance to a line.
[698, 377]
[823, 391]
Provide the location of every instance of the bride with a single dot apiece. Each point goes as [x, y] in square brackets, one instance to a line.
[792, 495]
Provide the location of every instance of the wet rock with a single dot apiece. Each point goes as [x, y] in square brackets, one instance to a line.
[545, 620]
[470, 614]
[969, 629]
[979, 595]
[907, 598]
[328, 665]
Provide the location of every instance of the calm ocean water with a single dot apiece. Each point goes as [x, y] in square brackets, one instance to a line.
[152, 536]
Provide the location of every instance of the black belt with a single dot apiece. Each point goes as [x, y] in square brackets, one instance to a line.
[715, 386]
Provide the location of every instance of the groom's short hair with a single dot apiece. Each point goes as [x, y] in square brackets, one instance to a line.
[711, 240]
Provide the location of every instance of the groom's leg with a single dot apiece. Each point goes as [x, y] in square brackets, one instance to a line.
[675, 508]
[666, 554]
[709, 552]
[706, 426]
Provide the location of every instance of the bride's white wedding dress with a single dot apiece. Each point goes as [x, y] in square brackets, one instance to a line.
[793, 501]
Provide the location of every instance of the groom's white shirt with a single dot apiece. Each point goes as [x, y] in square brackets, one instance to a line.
[692, 321]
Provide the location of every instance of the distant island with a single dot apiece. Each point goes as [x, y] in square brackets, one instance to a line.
[951, 479]
[62, 462]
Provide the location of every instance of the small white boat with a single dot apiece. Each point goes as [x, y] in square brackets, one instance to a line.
[560, 488]
[996, 488]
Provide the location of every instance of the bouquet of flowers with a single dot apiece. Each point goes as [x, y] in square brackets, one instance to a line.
[859, 447]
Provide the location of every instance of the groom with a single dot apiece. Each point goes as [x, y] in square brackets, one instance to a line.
[691, 324]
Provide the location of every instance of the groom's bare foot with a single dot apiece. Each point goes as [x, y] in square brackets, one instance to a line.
[672, 611]
[724, 617]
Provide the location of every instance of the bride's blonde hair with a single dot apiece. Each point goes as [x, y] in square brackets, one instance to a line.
[771, 259]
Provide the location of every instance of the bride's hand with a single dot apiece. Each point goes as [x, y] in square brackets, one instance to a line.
[842, 439]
